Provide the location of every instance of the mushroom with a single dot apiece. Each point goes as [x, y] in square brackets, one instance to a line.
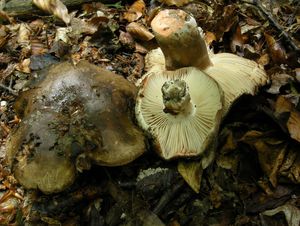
[182, 44]
[73, 116]
[181, 110]
[180, 100]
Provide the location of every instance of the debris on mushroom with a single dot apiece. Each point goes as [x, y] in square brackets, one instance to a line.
[181, 110]
[73, 116]
[182, 44]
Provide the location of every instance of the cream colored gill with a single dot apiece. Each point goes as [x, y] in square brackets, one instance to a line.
[179, 134]
[236, 76]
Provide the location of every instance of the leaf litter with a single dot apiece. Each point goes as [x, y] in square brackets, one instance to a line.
[256, 174]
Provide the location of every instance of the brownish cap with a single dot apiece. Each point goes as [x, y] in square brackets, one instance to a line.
[95, 111]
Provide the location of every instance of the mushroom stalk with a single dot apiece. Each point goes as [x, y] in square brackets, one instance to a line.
[180, 39]
[176, 98]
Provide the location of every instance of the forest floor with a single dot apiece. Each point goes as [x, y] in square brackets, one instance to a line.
[255, 177]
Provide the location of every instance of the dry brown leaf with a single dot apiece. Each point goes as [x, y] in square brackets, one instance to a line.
[293, 125]
[177, 3]
[191, 172]
[210, 37]
[38, 47]
[278, 80]
[291, 212]
[136, 11]
[55, 7]
[4, 35]
[139, 31]
[271, 152]
[264, 59]
[277, 52]
[238, 40]
[24, 66]
[24, 35]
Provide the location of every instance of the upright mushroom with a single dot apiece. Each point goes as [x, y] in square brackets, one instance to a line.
[180, 100]
[182, 44]
[73, 116]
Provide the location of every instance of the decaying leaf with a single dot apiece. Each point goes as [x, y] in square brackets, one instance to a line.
[293, 125]
[38, 47]
[191, 172]
[24, 35]
[271, 152]
[139, 31]
[277, 51]
[3, 36]
[238, 40]
[136, 10]
[24, 66]
[288, 116]
[55, 7]
[278, 80]
[291, 212]
[210, 37]
[177, 3]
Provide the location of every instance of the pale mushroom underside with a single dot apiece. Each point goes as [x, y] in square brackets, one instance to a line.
[235, 75]
[179, 135]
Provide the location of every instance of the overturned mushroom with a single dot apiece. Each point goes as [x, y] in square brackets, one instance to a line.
[74, 116]
[180, 103]
[181, 109]
[182, 45]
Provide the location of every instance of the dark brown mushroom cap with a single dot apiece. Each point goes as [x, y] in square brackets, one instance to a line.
[35, 153]
[95, 107]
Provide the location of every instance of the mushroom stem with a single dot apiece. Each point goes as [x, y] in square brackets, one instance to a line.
[180, 39]
[176, 98]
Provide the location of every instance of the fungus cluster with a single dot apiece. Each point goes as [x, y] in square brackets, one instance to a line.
[180, 100]
[72, 117]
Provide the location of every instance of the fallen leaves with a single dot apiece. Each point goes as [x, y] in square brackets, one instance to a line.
[135, 11]
[177, 3]
[55, 7]
[291, 212]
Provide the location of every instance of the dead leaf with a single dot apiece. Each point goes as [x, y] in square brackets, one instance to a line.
[271, 152]
[264, 59]
[4, 36]
[238, 40]
[136, 11]
[278, 80]
[55, 7]
[282, 105]
[24, 66]
[62, 34]
[277, 52]
[177, 3]
[210, 37]
[38, 47]
[191, 172]
[139, 31]
[291, 212]
[293, 125]
[24, 35]
[291, 166]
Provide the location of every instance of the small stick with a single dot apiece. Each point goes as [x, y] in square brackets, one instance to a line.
[180, 39]
[270, 17]
[9, 89]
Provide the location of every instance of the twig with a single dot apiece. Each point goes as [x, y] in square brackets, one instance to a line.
[9, 89]
[270, 17]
